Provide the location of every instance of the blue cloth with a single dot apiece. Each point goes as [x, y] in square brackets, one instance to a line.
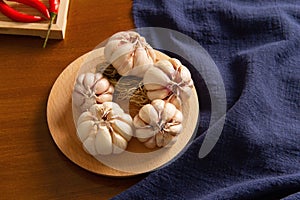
[256, 47]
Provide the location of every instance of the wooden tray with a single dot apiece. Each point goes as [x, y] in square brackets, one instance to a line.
[58, 29]
[139, 159]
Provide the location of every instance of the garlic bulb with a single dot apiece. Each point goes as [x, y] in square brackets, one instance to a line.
[158, 124]
[104, 129]
[168, 79]
[91, 89]
[129, 53]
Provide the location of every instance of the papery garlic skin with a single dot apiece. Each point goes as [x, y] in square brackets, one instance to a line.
[168, 79]
[105, 129]
[158, 124]
[90, 89]
[129, 53]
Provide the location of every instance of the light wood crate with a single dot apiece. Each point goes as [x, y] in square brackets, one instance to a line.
[58, 29]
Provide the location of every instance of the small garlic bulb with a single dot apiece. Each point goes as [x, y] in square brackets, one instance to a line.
[104, 129]
[168, 79]
[158, 124]
[129, 53]
[91, 89]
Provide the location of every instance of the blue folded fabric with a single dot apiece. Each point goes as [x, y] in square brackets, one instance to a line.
[256, 47]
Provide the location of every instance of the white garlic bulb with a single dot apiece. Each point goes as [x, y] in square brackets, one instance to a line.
[104, 129]
[129, 53]
[168, 79]
[90, 89]
[158, 124]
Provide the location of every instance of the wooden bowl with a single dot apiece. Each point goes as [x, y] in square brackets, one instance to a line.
[137, 159]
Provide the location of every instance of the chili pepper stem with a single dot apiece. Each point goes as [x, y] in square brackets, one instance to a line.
[52, 18]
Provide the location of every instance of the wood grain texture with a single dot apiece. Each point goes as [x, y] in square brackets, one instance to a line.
[58, 29]
[31, 165]
[137, 158]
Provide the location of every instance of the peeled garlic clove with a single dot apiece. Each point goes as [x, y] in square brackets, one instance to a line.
[104, 98]
[101, 86]
[168, 112]
[148, 114]
[122, 128]
[84, 129]
[89, 145]
[151, 143]
[158, 94]
[119, 143]
[103, 141]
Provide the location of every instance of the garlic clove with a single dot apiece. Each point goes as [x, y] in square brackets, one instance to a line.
[159, 105]
[89, 145]
[158, 94]
[119, 143]
[110, 90]
[185, 92]
[138, 122]
[172, 142]
[101, 86]
[122, 50]
[168, 112]
[151, 143]
[141, 57]
[176, 101]
[77, 98]
[154, 86]
[178, 117]
[89, 80]
[103, 141]
[148, 114]
[166, 67]
[85, 129]
[185, 74]
[123, 65]
[176, 63]
[175, 129]
[143, 133]
[85, 116]
[162, 139]
[122, 128]
[110, 47]
[155, 76]
[126, 118]
[104, 98]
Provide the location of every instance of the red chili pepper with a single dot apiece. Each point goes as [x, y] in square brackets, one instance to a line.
[37, 5]
[16, 15]
[53, 8]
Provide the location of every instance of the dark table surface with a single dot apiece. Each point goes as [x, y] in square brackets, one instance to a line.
[31, 165]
